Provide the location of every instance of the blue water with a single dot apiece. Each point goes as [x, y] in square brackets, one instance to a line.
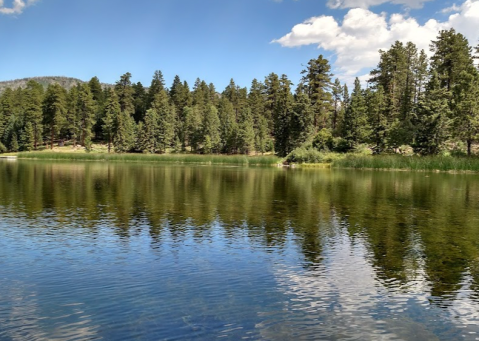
[82, 271]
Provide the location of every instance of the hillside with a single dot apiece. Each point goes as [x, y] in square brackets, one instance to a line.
[66, 82]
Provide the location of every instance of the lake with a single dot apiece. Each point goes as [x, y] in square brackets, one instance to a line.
[115, 251]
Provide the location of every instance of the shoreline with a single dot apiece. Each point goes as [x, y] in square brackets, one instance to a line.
[431, 164]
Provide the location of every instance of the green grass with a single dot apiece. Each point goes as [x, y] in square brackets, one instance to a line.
[172, 158]
[415, 163]
[306, 156]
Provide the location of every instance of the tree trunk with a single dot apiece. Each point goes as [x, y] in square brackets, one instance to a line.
[53, 134]
[35, 136]
[469, 145]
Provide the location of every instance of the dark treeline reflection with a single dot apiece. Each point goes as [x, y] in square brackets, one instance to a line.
[411, 223]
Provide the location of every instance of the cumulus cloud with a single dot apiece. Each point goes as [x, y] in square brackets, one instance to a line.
[16, 7]
[370, 3]
[356, 40]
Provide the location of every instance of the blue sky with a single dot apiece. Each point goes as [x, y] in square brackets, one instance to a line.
[214, 40]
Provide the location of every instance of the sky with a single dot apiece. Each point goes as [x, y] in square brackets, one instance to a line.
[215, 40]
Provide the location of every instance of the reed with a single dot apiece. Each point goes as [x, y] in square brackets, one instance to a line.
[171, 158]
[416, 163]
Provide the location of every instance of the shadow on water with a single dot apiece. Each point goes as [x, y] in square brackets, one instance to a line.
[344, 241]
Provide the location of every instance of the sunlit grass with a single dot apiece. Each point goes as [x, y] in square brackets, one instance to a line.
[416, 163]
[171, 158]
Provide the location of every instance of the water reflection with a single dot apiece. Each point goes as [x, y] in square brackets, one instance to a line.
[303, 253]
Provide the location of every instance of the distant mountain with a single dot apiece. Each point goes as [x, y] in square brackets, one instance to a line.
[66, 82]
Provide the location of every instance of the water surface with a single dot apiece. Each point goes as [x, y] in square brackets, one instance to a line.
[111, 251]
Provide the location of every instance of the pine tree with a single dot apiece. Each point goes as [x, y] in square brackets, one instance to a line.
[432, 119]
[125, 92]
[207, 144]
[14, 143]
[211, 130]
[125, 125]
[2, 125]
[112, 111]
[73, 122]
[175, 89]
[356, 127]
[140, 100]
[181, 98]
[228, 125]
[157, 85]
[451, 56]
[231, 92]
[317, 80]
[257, 104]
[194, 126]
[271, 91]
[246, 131]
[28, 137]
[378, 119]
[124, 132]
[337, 93]
[6, 114]
[397, 73]
[421, 75]
[33, 97]
[99, 98]
[201, 94]
[97, 91]
[465, 120]
[212, 94]
[302, 119]
[262, 135]
[453, 62]
[54, 110]
[344, 106]
[149, 133]
[282, 117]
[166, 120]
[86, 114]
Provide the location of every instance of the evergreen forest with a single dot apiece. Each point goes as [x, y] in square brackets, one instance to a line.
[411, 102]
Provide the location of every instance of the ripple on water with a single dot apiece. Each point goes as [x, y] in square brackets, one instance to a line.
[118, 278]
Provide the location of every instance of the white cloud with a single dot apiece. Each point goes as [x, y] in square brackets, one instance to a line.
[16, 7]
[370, 3]
[453, 8]
[356, 40]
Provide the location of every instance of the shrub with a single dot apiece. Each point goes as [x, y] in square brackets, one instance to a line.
[459, 149]
[304, 155]
[363, 149]
[340, 145]
[406, 150]
[324, 140]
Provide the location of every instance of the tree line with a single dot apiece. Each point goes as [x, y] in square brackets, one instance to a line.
[428, 104]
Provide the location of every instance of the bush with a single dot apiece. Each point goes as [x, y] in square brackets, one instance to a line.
[406, 150]
[324, 140]
[270, 146]
[340, 145]
[459, 149]
[303, 155]
[3, 149]
[311, 155]
[363, 149]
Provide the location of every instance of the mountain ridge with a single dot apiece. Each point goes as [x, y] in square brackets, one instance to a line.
[65, 82]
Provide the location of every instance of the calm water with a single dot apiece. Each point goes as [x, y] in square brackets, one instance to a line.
[97, 251]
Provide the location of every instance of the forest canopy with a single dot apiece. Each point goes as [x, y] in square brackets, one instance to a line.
[427, 104]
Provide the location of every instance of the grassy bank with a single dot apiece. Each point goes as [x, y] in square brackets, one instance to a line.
[415, 163]
[333, 160]
[172, 158]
